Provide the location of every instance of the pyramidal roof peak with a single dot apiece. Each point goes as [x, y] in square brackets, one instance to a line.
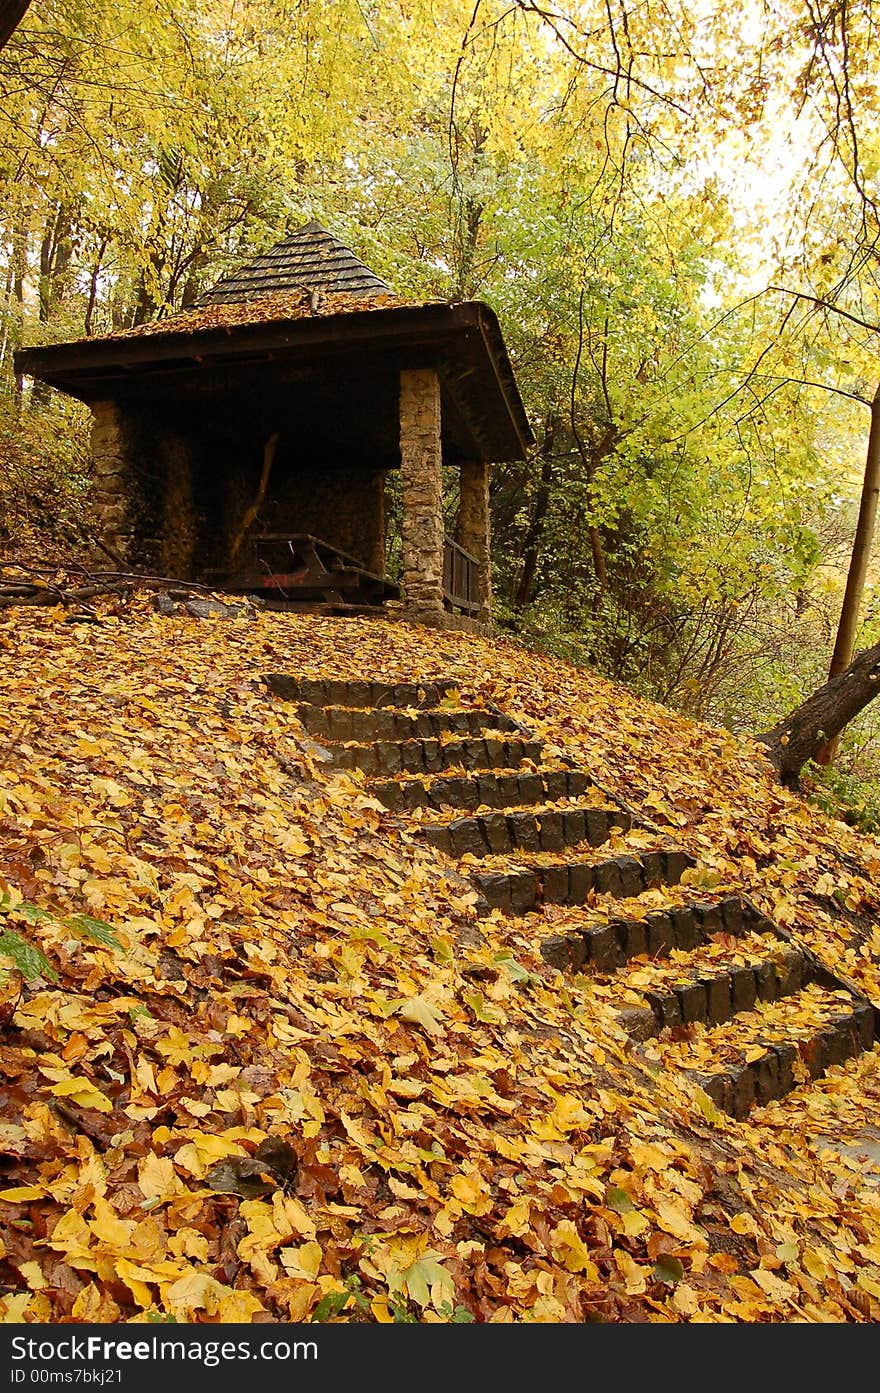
[309, 259]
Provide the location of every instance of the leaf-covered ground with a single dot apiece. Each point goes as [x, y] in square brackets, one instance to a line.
[262, 1060]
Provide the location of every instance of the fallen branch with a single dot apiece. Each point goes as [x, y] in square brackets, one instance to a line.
[73, 585]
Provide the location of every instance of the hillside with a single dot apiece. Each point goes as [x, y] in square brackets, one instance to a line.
[266, 1059]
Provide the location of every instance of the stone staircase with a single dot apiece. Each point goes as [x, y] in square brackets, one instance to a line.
[706, 986]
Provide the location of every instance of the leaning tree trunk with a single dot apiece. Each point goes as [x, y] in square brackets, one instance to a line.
[12, 12]
[858, 566]
[822, 717]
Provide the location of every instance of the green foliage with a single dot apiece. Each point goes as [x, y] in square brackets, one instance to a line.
[843, 795]
[333, 1304]
[96, 930]
[27, 957]
[44, 484]
[849, 789]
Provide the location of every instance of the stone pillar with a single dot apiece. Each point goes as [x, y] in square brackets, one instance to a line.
[473, 527]
[422, 480]
[112, 486]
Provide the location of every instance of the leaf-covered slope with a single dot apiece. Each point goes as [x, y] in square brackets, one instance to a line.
[263, 1060]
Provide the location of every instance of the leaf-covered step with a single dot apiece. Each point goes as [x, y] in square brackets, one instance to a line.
[519, 890]
[763, 1054]
[334, 692]
[491, 834]
[341, 723]
[504, 789]
[606, 947]
[712, 992]
[430, 756]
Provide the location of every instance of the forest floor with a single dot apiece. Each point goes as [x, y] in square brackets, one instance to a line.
[248, 1076]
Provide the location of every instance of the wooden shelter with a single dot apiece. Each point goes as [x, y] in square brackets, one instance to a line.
[248, 439]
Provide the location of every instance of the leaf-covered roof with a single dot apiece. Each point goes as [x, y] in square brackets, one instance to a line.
[267, 307]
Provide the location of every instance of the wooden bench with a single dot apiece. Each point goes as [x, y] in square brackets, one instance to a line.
[295, 569]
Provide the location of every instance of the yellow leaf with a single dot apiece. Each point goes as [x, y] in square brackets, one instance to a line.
[189, 1243]
[516, 1220]
[14, 1306]
[200, 1153]
[381, 1309]
[712, 1114]
[157, 1179]
[635, 1276]
[402, 1191]
[196, 1291]
[33, 1275]
[488, 1014]
[684, 1300]
[815, 1264]
[238, 1307]
[745, 1223]
[108, 1228]
[774, 1286]
[472, 1191]
[71, 1235]
[634, 1223]
[419, 1011]
[304, 1261]
[675, 1221]
[82, 1092]
[19, 1194]
[647, 1156]
[569, 1248]
[426, 1280]
[175, 1045]
[133, 1278]
[95, 1307]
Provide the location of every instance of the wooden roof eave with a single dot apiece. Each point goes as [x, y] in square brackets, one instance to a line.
[95, 369]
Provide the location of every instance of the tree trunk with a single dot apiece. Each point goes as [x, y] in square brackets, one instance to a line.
[12, 12]
[532, 540]
[858, 566]
[821, 718]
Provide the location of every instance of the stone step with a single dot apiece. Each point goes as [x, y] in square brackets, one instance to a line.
[504, 789]
[431, 756]
[519, 890]
[335, 692]
[678, 929]
[341, 723]
[761, 1055]
[493, 834]
[711, 991]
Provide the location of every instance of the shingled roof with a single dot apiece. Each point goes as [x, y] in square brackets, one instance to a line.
[310, 259]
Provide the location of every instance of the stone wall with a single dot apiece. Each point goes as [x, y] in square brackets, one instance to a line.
[171, 490]
[143, 489]
[112, 487]
[342, 504]
[178, 521]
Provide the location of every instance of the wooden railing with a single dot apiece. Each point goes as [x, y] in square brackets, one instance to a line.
[461, 588]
